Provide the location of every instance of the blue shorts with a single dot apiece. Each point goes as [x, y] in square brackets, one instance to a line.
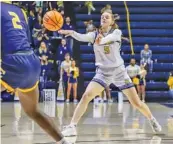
[20, 70]
[72, 80]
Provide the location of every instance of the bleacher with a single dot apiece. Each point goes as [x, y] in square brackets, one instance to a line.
[150, 25]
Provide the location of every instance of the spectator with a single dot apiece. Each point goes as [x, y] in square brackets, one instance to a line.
[43, 53]
[142, 82]
[39, 6]
[53, 5]
[43, 36]
[62, 50]
[60, 5]
[65, 65]
[146, 56]
[133, 71]
[69, 26]
[73, 73]
[170, 84]
[108, 95]
[89, 5]
[89, 26]
[37, 28]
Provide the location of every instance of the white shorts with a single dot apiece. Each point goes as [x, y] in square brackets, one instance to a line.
[117, 76]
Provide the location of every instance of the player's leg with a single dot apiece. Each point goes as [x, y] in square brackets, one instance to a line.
[139, 91]
[91, 92]
[29, 102]
[68, 91]
[143, 92]
[142, 107]
[74, 91]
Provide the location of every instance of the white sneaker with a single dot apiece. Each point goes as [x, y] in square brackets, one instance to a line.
[110, 101]
[75, 101]
[67, 101]
[155, 125]
[69, 130]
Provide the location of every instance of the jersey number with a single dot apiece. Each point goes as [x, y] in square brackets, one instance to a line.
[15, 20]
[106, 49]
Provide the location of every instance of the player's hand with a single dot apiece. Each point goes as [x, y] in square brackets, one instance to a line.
[65, 32]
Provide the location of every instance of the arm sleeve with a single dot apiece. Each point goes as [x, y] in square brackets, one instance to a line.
[89, 37]
[115, 36]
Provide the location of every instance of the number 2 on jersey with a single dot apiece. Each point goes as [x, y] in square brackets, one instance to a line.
[15, 20]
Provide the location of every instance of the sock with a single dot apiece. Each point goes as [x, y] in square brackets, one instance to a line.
[152, 118]
[62, 141]
[73, 124]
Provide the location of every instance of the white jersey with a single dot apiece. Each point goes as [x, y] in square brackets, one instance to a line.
[133, 71]
[107, 53]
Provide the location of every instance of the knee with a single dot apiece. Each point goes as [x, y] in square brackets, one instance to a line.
[86, 97]
[137, 104]
[31, 112]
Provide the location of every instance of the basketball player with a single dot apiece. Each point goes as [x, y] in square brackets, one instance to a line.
[20, 67]
[111, 69]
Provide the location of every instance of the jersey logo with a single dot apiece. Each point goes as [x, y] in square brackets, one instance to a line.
[107, 49]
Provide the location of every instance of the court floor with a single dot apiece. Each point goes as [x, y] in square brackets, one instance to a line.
[102, 124]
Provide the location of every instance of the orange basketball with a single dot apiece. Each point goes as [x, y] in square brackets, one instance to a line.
[53, 20]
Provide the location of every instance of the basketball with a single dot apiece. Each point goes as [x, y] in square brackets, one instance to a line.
[53, 20]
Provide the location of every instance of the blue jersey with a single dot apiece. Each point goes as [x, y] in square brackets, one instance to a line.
[20, 67]
[15, 30]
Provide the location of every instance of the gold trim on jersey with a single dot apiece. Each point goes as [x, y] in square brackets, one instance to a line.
[9, 2]
[7, 86]
[29, 89]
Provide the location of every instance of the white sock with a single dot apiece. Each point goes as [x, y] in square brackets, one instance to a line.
[63, 141]
[152, 118]
[73, 124]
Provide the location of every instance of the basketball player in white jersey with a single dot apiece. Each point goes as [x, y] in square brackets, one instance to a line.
[110, 69]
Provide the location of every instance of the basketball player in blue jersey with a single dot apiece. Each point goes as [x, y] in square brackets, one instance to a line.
[20, 67]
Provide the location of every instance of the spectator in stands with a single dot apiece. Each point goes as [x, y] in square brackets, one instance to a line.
[142, 82]
[146, 55]
[38, 6]
[89, 5]
[43, 36]
[69, 26]
[53, 5]
[170, 84]
[133, 70]
[61, 10]
[37, 28]
[108, 95]
[62, 50]
[60, 5]
[65, 66]
[89, 26]
[73, 73]
[43, 53]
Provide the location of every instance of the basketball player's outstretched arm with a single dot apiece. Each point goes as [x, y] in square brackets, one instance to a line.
[89, 37]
